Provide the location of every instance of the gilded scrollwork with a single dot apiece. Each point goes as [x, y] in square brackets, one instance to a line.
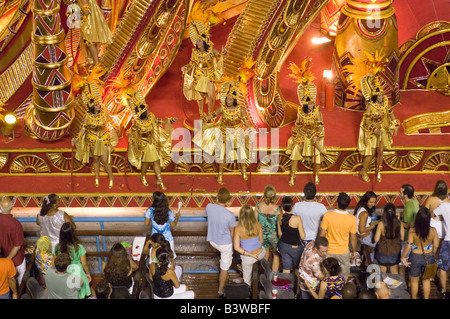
[400, 162]
[64, 163]
[3, 159]
[436, 160]
[195, 163]
[24, 162]
[351, 162]
[273, 163]
[329, 160]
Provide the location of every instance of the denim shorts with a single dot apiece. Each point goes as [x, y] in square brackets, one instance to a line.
[418, 263]
[290, 255]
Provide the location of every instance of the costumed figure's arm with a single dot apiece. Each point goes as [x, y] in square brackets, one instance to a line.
[169, 120]
[394, 123]
[81, 133]
[213, 115]
[319, 129]
[85, 7]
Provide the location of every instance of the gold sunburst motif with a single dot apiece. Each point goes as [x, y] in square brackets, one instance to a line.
[351, 162]
[63, 163]
[274, 163]
[118, 163]
[22, 163]
[194, 162]
[3, 159]
[402, 162]
[329, 160]
[235, 166]
[436, 160]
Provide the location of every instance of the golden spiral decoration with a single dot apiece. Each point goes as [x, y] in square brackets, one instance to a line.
[402, 162]
[3, 159]
[329, 160]
[24, 162]
[61, 162]
[352, 161]
[274, 163]
[194, 162]
[435, 160]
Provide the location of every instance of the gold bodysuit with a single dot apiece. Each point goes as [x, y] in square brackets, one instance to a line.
[203, 68]
[377, 117]
[301, 144]
[225, 139]
[95, 137]
[143, 141]
[94, 27]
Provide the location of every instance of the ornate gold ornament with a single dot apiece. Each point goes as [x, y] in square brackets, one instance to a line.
[402, 162]
[269, 40]
[274, 163]
[194, 162]
[3, 159]
[351, 162]
[63, 163]
[22, 163]
[436, 160]
[329, 160]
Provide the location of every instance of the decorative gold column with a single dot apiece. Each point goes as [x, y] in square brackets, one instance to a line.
[366, 25]
[50, 114]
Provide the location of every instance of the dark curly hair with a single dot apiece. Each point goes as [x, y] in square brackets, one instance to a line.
[162, 241]
[363, 203]
[163, 261]
[118, 266]
[161, 208]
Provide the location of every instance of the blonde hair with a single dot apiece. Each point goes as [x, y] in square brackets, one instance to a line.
[43, 244]
[269, 194]
[248, 220]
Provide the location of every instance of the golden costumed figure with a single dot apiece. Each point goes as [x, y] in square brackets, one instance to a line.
[227, 138]
[378, 124]
[95, 139]
[148, 142]
[94, 29]
[307, 140]
[204, 68]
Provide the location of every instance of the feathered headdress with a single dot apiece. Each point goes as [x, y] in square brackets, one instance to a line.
[90, 83]
[363, 73]
[79, 79]
[303, 75]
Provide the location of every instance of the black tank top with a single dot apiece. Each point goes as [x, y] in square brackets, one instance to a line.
[290, 235]
[162, 288]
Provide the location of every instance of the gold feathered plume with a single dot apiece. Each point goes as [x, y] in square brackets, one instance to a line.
[208, 15]
[302, 74]
[246, 72]
[121, 87]
[79, 80]
[361, 67]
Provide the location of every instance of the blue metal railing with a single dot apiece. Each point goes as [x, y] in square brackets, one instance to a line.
[102, 220]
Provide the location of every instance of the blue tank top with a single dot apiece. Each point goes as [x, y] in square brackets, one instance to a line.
[251, 243]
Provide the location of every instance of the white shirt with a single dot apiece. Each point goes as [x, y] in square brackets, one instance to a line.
[444, 210]
[311, 214]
